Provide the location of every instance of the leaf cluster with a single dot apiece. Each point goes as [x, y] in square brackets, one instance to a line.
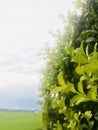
[69, 85]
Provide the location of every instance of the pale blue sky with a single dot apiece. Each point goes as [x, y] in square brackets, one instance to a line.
[24, 30]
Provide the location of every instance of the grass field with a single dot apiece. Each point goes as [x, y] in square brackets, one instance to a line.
[20, 121]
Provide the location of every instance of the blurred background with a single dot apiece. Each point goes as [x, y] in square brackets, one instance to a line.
[25, 28]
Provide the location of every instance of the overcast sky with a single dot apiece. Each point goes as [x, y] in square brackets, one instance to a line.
[24, 30]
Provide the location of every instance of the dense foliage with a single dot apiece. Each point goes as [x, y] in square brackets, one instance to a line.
[70, 80]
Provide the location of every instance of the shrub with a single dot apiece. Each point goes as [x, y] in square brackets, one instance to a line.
[70, 80]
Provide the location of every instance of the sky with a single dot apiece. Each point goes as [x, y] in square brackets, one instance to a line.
[24, 31]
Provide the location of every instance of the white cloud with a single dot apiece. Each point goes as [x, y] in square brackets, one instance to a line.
[24, 30]
[11, 79]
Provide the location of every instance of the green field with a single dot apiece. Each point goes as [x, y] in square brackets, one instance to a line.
[20, 121]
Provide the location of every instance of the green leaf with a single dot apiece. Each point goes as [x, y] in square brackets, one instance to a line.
[88, 115]
[87, 68]
[59, 126]
[72, 51]
[66, 89]
[57, 89]
[80, 87]
[92, 93]
[90, 31]
[95, 47]
[96, 116]
[70, 88]
[60, 79]
[80, 56]
[77, 99]
[93, 58]
[82, 99]
[56, 64]
[90, 39]
[69, 50]
[76, 116]
[80, 70]
[74, 100]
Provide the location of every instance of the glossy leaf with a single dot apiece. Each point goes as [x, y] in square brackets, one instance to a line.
[80, 87]
[90, 39]
[80, 56]
[60, 79]
[76, 100]
[93, 93]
